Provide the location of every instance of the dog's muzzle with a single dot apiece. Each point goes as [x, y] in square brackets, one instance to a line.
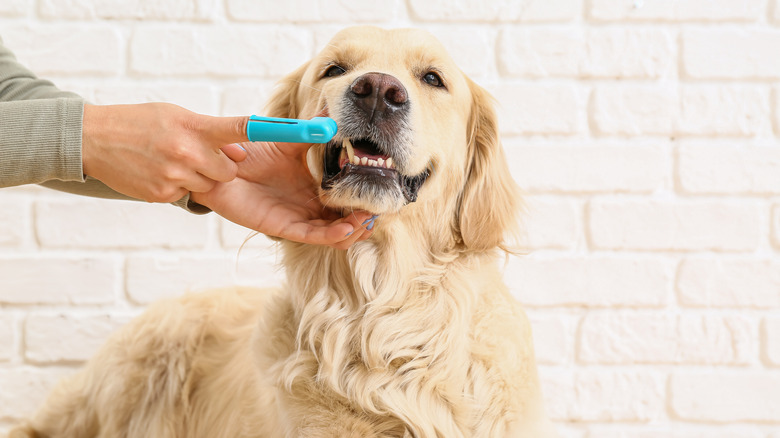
[374, 140]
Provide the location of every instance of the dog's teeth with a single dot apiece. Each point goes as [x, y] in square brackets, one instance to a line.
[342, 154]
[380, 162]
[364, 161]
[355, 160]
[350, 150]
[389, 163]
[372, 163]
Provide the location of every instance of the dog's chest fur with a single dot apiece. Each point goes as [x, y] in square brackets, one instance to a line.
[393, 348]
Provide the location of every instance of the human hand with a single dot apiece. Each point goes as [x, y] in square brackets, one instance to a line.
[275, 194]
[159, 152]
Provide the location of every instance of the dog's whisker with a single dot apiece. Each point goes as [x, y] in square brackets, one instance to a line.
[307, 85]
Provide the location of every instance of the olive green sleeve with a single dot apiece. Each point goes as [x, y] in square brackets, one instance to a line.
[41, 134]
[40, 127]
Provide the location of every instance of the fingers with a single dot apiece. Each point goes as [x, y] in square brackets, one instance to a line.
[218, 166]
[199, 183]
[363, 227]
[339, 234]
[224, 130]
[235, 152]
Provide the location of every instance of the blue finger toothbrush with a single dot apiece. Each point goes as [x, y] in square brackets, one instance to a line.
[316, 130]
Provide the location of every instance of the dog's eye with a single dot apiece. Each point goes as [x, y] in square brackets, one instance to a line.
[334, 70]
[433, 79]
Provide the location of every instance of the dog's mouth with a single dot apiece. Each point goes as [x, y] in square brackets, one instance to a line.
[361, 161]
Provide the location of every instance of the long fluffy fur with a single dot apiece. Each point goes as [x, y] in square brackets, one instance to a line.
[409, 334]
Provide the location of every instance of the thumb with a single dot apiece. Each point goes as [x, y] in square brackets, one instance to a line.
[225, 130]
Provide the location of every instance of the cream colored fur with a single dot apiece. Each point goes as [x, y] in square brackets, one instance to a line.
[411, 333]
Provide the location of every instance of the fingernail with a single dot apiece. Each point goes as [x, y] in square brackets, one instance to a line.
[350, 233]
[371, 219]
[371, 225]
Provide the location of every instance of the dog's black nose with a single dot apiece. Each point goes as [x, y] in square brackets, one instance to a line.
[378, 95]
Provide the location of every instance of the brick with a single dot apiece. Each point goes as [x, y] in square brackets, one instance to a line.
[771, 338]
[569, 431]
[316, 11]
[28, 190]
[724, 397]
[241, 100]
[776, 18]
[504, 10]
[723, 110]
[150, 278]
[25, 389]
[592, 168]
[66, 337]
[598, 53]
[13, 8]
[716, 282]
[690, 110]
[539, 109]
[705, 431]
[553, 337]
[7, 337]
[132, 9]
[676, 10]
[224, 51]
[590, 281]
[776, 224]
[199, 98]
[629, 53]
[731, 53]
[653, 338]
[634, 109]
[550, 223]
[14, 220]
[604, 396]
[67, 49]
[776, 109]
[674, 225]
[726, 168]
[541, 52]
[90, 223]
[471, 48]
[57, 280]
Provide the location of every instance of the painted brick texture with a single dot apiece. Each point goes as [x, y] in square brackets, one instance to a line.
[645, 135]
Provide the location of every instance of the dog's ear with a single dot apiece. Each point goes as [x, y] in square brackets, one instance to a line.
[284, 99]
[488, 210]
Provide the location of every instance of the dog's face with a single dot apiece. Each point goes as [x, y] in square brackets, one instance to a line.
[401, 105]
[411, 126]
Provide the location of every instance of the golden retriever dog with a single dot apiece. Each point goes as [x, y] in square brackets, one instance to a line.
[410, 333]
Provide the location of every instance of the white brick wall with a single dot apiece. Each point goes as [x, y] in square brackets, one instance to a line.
[644, 132]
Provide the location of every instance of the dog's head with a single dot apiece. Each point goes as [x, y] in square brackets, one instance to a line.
[414, 134]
